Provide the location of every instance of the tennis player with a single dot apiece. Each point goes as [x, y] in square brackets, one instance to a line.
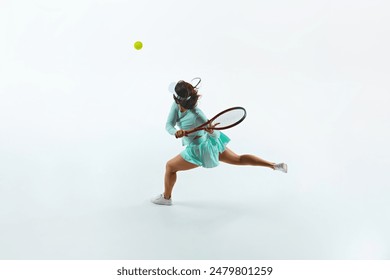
[204, 148]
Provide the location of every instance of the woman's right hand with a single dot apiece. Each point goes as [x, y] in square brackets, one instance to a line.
[180, 133]
[210, 128]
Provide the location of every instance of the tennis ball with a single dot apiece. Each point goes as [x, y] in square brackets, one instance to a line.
[138, 45]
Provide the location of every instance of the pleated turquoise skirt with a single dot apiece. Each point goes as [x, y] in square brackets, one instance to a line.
[205, 150]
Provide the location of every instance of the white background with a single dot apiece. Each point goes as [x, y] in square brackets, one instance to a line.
[83, 146]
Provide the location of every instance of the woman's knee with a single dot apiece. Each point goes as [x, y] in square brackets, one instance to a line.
[237, 159]
[169, 167]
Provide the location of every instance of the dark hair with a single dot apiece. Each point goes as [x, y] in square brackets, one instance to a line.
[186, 94]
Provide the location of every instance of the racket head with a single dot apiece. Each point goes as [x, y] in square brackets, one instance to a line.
[228, 118]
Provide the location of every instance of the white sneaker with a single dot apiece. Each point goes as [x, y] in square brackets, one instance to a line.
[281, 167]
[161, 200]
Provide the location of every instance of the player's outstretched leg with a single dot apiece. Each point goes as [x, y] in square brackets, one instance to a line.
[228, 156]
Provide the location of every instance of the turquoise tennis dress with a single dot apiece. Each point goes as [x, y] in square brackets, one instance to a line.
[205, 149]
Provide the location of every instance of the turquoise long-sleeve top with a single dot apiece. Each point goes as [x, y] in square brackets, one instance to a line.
[187, 120]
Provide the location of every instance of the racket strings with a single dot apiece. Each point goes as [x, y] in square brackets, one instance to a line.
[229, 118]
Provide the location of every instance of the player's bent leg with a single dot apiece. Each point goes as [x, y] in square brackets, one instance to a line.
[174, 165]
[179, 164]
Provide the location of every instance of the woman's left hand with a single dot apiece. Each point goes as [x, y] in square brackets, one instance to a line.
[210, 127]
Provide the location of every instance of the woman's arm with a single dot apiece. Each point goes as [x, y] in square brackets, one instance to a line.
[172, 119]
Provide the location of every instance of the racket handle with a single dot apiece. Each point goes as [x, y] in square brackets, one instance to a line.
[190, 131]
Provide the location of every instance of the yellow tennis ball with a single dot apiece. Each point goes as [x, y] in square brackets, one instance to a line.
[138, 45]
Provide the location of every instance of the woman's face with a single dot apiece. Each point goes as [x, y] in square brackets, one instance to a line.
[181, 108]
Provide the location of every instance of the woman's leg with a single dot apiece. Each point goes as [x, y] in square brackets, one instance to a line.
[174, 165]
[230, 157]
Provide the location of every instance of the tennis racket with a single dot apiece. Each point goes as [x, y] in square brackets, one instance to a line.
[223, 120]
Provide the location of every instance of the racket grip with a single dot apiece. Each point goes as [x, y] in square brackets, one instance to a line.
[189, 131]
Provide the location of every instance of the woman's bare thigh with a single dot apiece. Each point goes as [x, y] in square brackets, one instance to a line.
[228, 156]
[179, 164]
